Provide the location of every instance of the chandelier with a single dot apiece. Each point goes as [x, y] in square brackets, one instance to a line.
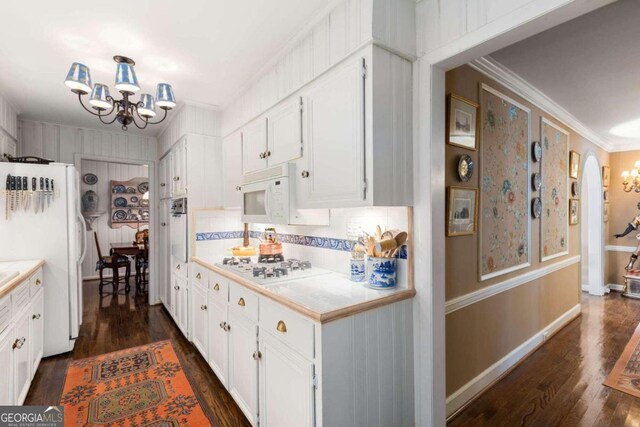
[103, 105]
[631, 180]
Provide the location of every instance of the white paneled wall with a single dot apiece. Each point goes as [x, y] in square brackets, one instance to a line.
[106, 171]
[189, 119]
[8, 119]
[349, 26]
[60, 143]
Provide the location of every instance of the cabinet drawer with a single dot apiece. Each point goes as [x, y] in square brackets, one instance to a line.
[5, 312]
[243, 300]
[219, 287]
[35, 282]
[20, 297]
[200, 275]
[289, 327]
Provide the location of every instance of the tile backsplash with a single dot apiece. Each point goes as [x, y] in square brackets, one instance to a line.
[327, 247]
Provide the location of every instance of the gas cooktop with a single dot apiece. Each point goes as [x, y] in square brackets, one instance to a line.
[268, 271]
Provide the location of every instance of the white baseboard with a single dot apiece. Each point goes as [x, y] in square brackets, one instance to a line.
[587, 289]
[473, 388]
[616, 287]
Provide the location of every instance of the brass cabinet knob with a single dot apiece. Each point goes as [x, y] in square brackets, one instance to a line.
[281, 327]
[178, 267]
[38, 282]
[36, 316]
[198, 276]
[268, 153]
[238, 188]
[227, 327]
[241, 302]
[203, 307]
[216, 287]
[176, 178]
[162, 184]
[164, 224]
[261, 155]
[257, 355]
[305, 174]
[18, 343]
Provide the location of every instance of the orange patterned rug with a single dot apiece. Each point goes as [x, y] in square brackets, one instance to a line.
[625, 375]
[140, 386]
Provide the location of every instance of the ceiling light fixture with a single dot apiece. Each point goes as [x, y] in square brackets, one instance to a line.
[79, 81]
[631, 180]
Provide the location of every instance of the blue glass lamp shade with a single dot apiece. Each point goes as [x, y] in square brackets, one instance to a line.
[164, 96]
[147, 109]
[100, 97]
[126, 79]
[79, 78]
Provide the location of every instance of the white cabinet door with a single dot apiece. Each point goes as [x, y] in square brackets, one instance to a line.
[182, 305]
[286, 385]
[232, 170]
[179, 168]
[335, 140]
[164, 275]
[199, 310]
[243, 364]
[285, 132]
[37, 331]
[7, 338]
[21, 359]
[163, 178]
[175, 303]
[254, 146]
[218, 339]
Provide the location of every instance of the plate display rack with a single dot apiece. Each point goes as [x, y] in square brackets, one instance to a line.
[128, 208]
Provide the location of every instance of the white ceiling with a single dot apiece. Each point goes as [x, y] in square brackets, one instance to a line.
[207, 49]
[590, 66]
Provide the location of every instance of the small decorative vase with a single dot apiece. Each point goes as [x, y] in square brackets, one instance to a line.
[90, 201]
[357, 270]
[381, 272]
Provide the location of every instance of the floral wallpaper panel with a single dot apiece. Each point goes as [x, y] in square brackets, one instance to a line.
[555, 192]
[504, 193]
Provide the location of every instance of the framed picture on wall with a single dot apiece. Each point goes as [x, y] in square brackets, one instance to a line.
[462, 211]
[606, 176]
[605, 213]
[574, 164]
[462, 116]
[574, 211]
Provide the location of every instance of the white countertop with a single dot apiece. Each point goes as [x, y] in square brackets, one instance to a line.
[323, 298]
[24, 269]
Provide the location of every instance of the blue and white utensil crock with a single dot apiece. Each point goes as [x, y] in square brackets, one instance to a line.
[381, 272]
[357, 270]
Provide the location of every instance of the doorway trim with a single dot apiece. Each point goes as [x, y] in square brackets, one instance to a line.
[592, 227]
[153, 222]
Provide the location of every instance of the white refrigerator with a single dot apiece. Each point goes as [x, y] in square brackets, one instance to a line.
[56, 233]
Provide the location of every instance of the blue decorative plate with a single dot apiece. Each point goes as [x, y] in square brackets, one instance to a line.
[134, 199]
[131, 190]
[120, 215]
[119, 189]
[143, 187]
[120, 202]
[89, 178]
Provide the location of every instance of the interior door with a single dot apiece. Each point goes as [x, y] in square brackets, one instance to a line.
[218, 340]
[200, 309]
[243, 368]
[335, 138]
[285, 132]
[21, 359]
[287, 403]
[37, 330]
[254, 146]
[7, 339]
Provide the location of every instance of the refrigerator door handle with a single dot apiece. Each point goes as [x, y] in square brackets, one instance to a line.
[84, 239]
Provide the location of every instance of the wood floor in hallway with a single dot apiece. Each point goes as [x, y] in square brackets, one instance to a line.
[118, 322]
[561, 383]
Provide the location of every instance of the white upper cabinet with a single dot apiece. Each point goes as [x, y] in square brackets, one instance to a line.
[179, 169]
[254, 146]
[284, 138]
[231, 170]
[334, 173]
[164, 178]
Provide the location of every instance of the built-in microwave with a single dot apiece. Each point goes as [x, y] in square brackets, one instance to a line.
[266, 195]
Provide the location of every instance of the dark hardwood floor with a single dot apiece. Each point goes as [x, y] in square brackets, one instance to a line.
[118, 322]
[561, 383]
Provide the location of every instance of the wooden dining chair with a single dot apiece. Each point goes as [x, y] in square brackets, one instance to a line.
[142, 265]
[113, 262]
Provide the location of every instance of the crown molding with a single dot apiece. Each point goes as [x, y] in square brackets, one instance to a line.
[503, 75]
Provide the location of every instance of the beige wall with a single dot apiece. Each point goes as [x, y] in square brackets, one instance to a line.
[481, 334]
[625, 210]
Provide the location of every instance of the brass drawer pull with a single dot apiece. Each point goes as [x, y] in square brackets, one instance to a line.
[36, 316]
[241, 302]
[282, 327]
[38, 282]
[19, 343]
[198, 276]
[216, 287]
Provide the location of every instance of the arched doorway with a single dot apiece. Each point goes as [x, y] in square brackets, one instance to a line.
[592, 241]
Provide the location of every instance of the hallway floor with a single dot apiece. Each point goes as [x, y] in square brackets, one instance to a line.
[561, 383]
[124, 321]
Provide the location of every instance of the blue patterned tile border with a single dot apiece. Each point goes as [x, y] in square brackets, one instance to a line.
[294, 239]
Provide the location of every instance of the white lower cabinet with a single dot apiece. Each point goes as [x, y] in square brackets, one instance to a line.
[286, 385]
[37, 330]
[219, 339]
[22, 361]
[7, 339]
[199, 308]
[243, 363]
[180, 303]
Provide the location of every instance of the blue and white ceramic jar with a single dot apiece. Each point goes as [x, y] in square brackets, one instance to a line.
[90, 201]
[357, 270]
[381, 272]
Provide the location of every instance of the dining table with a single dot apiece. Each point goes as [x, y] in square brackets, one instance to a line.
[127, 248]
